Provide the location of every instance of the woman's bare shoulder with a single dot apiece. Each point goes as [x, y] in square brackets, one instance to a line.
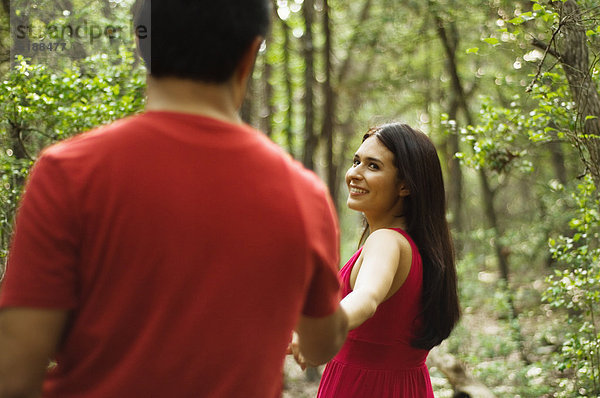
[387, 235]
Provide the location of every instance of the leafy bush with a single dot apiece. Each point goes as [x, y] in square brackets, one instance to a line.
[576, 288]
[39, 107]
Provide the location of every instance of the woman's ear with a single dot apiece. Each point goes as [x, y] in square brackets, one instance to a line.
[403, 190]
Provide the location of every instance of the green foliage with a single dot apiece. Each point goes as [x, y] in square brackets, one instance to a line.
[396, 68]
[498, 142]
[555, 111]
[576, 289]
[39, 107]
[508, 139]
[543, 12]
[487, 343]
[55, 33]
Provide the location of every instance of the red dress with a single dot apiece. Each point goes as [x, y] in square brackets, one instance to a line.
[377, 359]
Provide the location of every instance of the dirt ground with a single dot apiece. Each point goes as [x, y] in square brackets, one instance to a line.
[296, 384]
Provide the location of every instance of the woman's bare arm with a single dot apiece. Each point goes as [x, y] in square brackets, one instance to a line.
[381, 261]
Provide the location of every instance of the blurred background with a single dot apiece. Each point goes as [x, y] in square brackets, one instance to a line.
[507, 90]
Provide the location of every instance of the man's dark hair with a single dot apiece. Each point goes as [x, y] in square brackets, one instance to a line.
[198, 39]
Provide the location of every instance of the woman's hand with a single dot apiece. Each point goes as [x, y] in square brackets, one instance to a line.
[294, 349]
[315, 341]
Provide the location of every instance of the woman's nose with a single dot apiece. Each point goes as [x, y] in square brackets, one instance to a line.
[354, 173]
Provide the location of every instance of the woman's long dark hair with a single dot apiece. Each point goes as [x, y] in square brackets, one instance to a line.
[419, 168]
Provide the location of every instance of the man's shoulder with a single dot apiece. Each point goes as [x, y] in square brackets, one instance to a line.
[91, 141]
[298, 174]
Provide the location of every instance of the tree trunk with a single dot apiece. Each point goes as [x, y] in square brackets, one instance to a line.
[247, 111]
[502, 252]
[310, 138]
[576, 63]
[289, 90]
[19, 45]
[108, 13]
[455, 185]
[77, 50]
[268, 110]
[16, 140]
[488, 194]
[490, 213]
[346, 127]
[288, 130]
[330, 109]
[343, 70]
[5, 42]
[267, 98]
[558, 161]
[573, 54]
[455, 188]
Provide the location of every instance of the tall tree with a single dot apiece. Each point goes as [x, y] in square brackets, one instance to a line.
[289, 89]
[460, 97]
[310, 137]
[457, 99]
[569, 45]
[248, 110]
[4, 36]
[268, 109]
[489, 194]
[327, 129]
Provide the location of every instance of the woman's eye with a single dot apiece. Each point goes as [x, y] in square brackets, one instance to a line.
[374, 166]
[356, 162]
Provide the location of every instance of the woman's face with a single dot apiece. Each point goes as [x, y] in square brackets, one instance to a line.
[372, 181]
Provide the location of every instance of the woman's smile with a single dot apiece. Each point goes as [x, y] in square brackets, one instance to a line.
[356, 191]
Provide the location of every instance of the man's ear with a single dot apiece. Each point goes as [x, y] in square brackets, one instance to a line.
[245, 67]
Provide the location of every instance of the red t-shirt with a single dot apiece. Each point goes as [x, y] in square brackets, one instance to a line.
[185, 247]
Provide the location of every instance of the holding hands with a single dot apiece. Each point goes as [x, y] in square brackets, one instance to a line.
[294, 349]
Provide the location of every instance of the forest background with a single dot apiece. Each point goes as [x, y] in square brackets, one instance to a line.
[508, 91]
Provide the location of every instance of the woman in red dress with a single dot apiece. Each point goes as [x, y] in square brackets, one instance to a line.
[399, 288]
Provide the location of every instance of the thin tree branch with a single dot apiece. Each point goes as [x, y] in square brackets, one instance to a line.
[547, 50]
[546, 47]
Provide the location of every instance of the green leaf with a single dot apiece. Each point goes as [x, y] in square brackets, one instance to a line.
[548, 17]
[492, 41]
[517, 21]
[473, 50]
[527, 16]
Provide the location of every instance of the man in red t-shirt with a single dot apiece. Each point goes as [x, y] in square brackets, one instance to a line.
[172, 253]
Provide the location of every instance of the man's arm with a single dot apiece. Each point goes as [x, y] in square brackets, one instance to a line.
[319, 339]
[28, 339]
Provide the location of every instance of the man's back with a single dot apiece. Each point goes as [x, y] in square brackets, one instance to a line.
[184, 246]
[172, 253]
